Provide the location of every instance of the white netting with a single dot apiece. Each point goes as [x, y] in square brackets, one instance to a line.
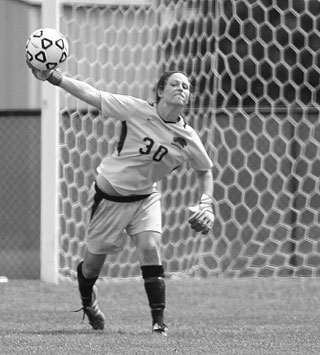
[255, 67]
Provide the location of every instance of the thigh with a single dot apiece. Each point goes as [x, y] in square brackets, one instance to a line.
[147, 216]
[105, 230]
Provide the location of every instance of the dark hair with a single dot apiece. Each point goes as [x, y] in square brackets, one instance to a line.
[163, 81]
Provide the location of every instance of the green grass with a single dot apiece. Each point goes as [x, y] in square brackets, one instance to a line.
[215, 316]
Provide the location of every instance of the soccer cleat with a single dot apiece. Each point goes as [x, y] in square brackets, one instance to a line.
[160, 329]
[95, 316]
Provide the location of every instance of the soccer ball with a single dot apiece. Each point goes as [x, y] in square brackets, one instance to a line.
[46, 49]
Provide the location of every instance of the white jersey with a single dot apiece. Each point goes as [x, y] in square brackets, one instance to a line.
[148, 148]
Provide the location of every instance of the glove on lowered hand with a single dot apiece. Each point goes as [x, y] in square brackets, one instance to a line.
[202, 217]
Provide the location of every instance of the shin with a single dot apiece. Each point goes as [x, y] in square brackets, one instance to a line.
[154, 283]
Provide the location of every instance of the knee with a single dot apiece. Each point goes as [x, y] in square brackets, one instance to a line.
[148, 247]
[150, 254]
[90, 271]
[92, 264]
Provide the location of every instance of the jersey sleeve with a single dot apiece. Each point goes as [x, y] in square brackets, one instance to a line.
[199, 158]
[119, 106]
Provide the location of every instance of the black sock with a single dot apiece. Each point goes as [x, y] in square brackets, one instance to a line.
[154, 284]
[85, 286]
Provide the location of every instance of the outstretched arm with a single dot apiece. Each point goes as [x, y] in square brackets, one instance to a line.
[79, 89]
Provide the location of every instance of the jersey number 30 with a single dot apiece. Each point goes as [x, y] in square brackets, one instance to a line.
[158, 154]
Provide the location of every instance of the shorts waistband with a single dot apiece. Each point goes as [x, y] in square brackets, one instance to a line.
[123, 199]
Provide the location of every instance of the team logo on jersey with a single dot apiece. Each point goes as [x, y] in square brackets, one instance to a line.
[179, 142]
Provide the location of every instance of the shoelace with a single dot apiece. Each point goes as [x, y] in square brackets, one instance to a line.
[79, 310]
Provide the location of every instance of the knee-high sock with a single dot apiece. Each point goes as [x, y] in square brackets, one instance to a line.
[85, 286]
[154, 284]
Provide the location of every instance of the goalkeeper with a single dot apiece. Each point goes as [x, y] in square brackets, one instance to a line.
[154, 140]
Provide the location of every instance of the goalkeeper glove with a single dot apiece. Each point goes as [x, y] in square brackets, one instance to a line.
[202, 217]
[52, 76]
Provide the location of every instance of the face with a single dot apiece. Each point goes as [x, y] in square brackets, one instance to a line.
[176, 90]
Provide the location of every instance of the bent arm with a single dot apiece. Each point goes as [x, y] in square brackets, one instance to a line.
[81, 90]
[202, 216]
[205, 179]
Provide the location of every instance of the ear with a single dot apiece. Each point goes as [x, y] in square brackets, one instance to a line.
[160, 93]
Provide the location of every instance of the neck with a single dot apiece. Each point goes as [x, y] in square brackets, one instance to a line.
[169, 113]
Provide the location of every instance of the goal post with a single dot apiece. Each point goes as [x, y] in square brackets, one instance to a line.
[255, 67]
[50, 106]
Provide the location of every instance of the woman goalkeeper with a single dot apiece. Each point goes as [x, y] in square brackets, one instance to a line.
[154, 140]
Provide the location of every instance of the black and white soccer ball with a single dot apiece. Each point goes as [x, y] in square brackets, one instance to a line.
[46, 49]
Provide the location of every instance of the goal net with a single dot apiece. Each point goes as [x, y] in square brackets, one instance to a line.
[255, 67]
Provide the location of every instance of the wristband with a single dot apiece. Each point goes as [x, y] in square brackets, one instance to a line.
[206, 203]
[206, 199]
[55, 78]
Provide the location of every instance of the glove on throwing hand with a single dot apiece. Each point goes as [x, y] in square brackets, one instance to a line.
[39, 74]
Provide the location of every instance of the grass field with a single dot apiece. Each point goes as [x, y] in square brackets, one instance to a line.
[216, 316]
